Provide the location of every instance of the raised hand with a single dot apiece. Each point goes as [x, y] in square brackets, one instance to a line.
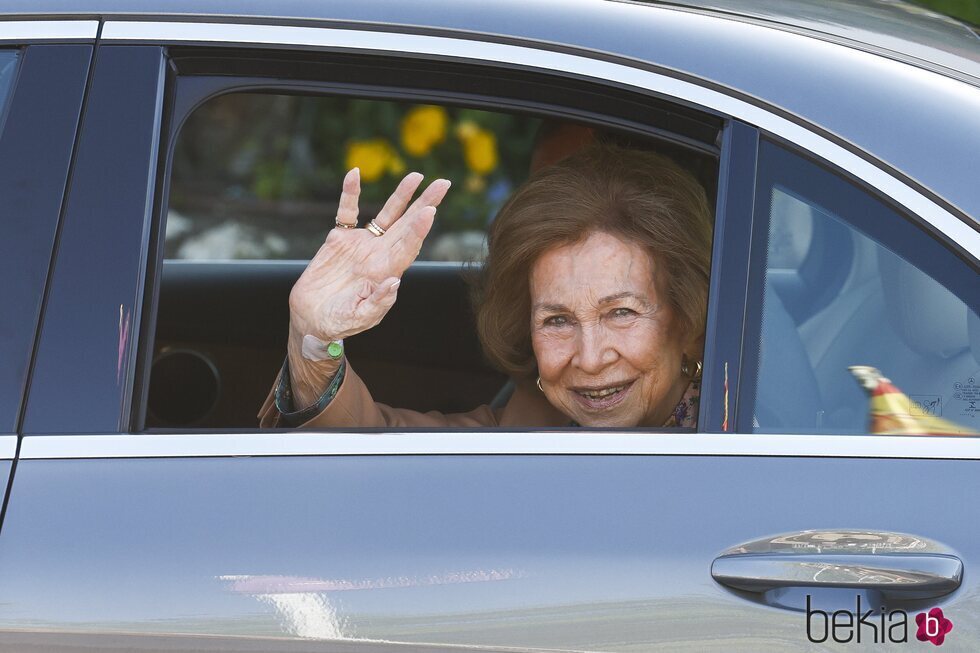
[352, 281]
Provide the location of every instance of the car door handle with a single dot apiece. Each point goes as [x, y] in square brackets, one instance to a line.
[901, 575]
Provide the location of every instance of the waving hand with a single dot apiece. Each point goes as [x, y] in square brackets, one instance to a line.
[352, 281]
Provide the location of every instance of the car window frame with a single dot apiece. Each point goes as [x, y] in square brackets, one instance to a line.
[95, 283]
[52, 74]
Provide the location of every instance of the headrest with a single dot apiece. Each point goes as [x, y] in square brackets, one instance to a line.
[928, 317]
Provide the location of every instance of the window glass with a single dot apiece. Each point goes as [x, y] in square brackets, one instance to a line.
[257, 176]
[790, 233]
[8, 64]
[13, 344]
[865, 318]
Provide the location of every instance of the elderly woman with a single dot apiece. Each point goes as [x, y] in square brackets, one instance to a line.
[593, 299]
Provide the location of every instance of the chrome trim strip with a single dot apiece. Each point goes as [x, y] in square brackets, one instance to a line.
[330, 38]
[301, 263]
[23, 31]
[36, 447]
[8, 447]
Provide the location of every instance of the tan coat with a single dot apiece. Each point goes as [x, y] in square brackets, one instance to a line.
[353, 406]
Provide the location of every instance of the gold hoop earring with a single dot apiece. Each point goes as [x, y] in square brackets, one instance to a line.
[539, 385]
[686, 368]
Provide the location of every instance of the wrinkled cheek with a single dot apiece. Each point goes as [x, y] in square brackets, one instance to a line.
[657, 354]
[552, 353]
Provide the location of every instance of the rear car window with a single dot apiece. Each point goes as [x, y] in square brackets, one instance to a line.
[254, 186]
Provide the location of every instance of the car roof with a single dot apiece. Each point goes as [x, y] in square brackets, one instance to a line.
[904, 30]
[919, 114]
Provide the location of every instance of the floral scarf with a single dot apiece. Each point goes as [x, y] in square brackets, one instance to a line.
[685, 414]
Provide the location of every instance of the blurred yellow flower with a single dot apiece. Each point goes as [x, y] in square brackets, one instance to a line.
[422, 128]
[396, 165]
[466, 129]
[372, 156]
[480, 151]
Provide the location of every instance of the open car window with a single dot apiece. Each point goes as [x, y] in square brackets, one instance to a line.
[254, 181]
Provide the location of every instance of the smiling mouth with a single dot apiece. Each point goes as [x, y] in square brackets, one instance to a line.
[600, 398]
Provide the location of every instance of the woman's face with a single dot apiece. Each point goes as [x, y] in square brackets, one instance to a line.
[606, 341]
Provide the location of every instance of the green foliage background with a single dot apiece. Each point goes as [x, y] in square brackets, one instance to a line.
[968, 10]
[274, 164]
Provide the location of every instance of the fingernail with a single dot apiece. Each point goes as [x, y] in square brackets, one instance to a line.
[395, 285]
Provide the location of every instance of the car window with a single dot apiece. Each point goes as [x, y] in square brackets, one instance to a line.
[255, 180]
[8, 64]
[790, 232]
[11, 380]
[865, 319]
[257, 176]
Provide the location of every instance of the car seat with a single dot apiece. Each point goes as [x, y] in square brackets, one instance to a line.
[787, 397]
[900, 321]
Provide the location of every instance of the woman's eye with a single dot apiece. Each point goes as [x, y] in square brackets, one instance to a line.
[624, 312]
[556, 320]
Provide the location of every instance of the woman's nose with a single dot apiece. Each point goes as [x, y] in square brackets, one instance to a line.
[596, 349]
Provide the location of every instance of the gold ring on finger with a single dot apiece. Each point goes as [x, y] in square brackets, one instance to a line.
[345, 225]
[375, 228]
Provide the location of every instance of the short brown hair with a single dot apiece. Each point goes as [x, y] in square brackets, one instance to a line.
[638, 195]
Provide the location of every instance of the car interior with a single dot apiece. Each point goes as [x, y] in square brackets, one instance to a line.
[221, 323]
[848, 300]
[216, 361]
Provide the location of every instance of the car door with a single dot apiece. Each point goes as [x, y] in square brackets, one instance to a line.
[764, 530]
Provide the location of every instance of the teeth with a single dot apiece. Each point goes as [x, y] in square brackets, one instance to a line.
[599, 394]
